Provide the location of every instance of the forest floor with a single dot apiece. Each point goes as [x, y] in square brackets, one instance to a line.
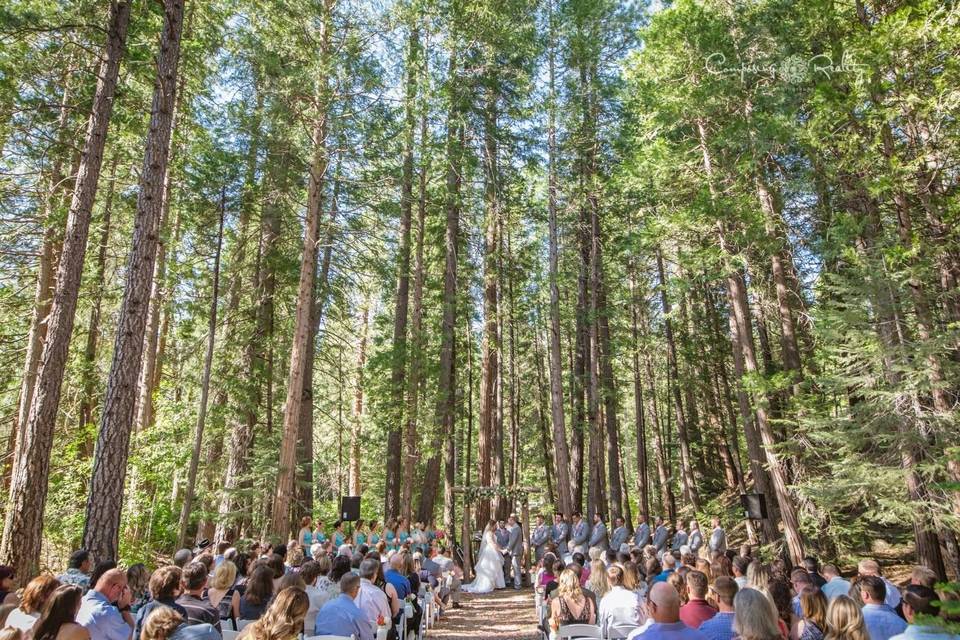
[503, 615]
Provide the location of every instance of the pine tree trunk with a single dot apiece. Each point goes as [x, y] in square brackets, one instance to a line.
[542, 418]
[690, 493]
[185, 512]
[31, 462]
[303, 321]
[417, 343]
[254, 362]
[490, 366]
[105, 502]
[87, 400]
[355, 487]
[639, 422]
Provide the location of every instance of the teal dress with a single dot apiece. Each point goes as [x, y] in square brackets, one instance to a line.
[404, 536]
[319, 536]
[338, 539]
[391, 539]
[374, 539]
[361, 539]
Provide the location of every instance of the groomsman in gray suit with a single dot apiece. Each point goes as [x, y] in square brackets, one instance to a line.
[641, 535]
[679, 537]
[539, 538]
[619, 535]
[560, 532]
[696, 537]
[718, 537]
[598, 536]
[515, 548]
[660, 535]
[579, 534]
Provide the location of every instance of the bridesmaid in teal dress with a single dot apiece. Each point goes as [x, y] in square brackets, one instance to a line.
[305, 536]
[390, 536]
[319, 535]
[359, 534]
[374, 533]
[403, 532]
[339, 537]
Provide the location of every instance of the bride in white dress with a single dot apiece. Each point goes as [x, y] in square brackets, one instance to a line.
[489, 567]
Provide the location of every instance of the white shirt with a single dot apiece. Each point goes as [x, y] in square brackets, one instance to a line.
[620, 607]
[317, 599]
[372, 601]
[18, 619]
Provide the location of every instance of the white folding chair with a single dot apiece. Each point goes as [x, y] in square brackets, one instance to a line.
[230, 634]
[615, 632]
[243, 623]
[227, 624]
[580, 632]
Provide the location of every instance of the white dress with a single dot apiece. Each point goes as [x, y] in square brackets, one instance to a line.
[489, 567]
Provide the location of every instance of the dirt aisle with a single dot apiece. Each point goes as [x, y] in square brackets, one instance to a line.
[504, 615]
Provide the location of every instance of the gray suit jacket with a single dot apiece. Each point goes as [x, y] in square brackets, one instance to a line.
[560, 534]
[641, 537]
[660, 538]
[679, 539]
[539, 539]
[515, 540]
[718, 540]
[695, 540]
[580, 535]
[619, 536]
[598, 538]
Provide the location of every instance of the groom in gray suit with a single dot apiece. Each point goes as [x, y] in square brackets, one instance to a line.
[514, 548]
[580, 534]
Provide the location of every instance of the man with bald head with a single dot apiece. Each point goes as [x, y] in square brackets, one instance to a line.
[663, 605]
[394, 575]
[105, 609]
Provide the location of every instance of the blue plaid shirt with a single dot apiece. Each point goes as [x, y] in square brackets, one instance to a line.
[719, 627]
[882, 622]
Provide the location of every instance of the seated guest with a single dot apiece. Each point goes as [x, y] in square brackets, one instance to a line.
[59, 618]
[813, 608]
[275, 562]
[758, 575]
[597, 582]
[182, 558]
[371, 599]
[101, 568]
[720, 626]
[919, 599]
[97, 613]
[341, 616]
[923, 576]
[799, 580]
[394, 575]
[194, 601]
[739, 567]
[755, 617]
[284, 618]
[778, 590]
[342, 565]
[309, 573]
[697, 610]
[669, 565]
[882, 621]
[35, 595]
[78, 569]
[324, 584]
[571, 605]
[835, 585]
[164, 588]
[165, 623]
[222, 593]
[619, 607]
[812, 565]
[872, 568]
[257, 593]
[663, 606]
[845, 620]
[138, 579]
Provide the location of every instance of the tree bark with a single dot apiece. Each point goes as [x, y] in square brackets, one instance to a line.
[639, 422]
[204, 385]
[355, 487]
[687, 480]
[22, 534]
[105, 501]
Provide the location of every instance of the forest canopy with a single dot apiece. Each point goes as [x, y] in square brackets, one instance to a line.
[257, 255]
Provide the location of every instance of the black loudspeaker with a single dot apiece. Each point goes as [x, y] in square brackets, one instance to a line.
[349, 508]
[754, 505]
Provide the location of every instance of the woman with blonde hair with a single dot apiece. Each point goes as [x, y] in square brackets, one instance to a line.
[570, 605]
[283, 620]
[845, 620]
[758, 575]
[222, 592]
[755, 617]
[34, 597]
[163, 623]
[598, 582]
[59, 619]
[813, 604]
